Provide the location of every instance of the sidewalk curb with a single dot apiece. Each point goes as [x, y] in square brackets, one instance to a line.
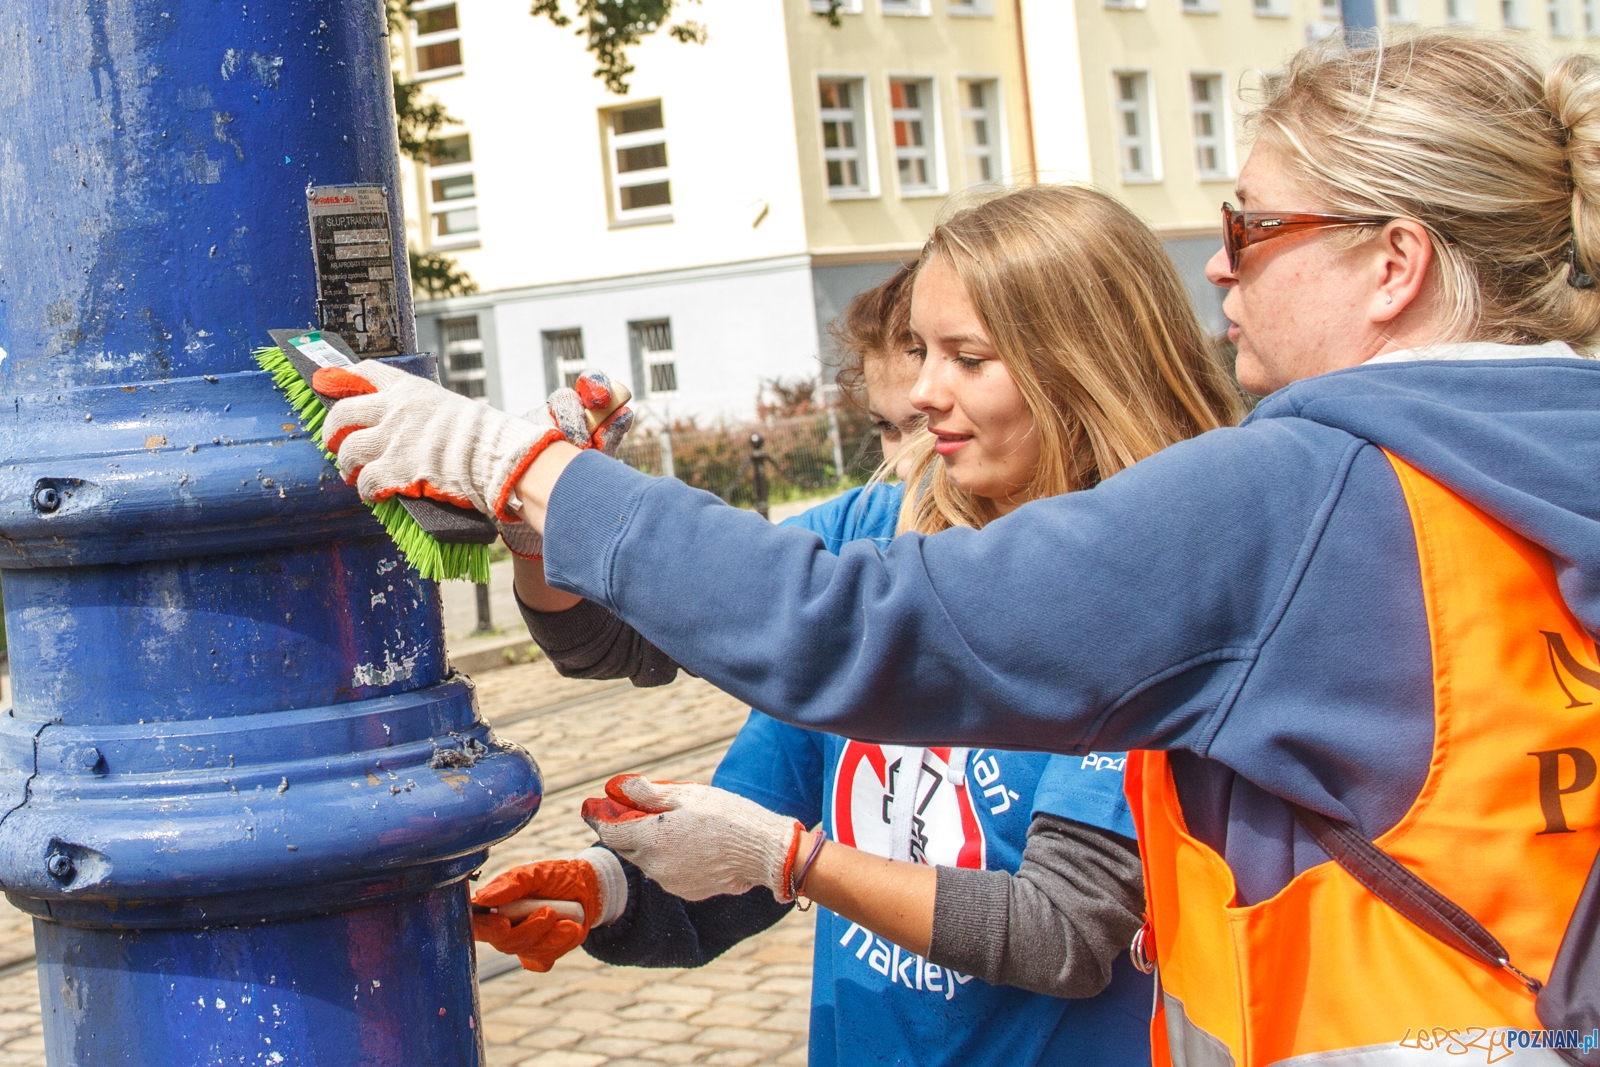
[507, 652]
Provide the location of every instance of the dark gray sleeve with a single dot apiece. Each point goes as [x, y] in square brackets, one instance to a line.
[1057, 925]
[588, 641]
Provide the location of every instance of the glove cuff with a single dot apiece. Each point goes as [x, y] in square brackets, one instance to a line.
[500, 503]
[613, 884]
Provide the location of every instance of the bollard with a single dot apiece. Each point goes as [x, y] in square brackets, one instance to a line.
[758, 473]
[240, 787]
[485, 618]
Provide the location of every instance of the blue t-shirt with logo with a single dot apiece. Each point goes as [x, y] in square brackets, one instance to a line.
[873, 1002]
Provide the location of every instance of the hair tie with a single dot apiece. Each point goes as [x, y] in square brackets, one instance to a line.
[1577, 277]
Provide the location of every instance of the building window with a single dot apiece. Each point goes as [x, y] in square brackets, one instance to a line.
[463, 355]
[1135, 143]
[1332, 10]
[1210, 130]
[452, 193]
[637, 150]
[911, 111]
[563, 359]
[1514, 14]
[904, 7]
[846, 7]
[980, 129]
[967, 9]
[1459, 12]
[655, 367]
[1400, 10]
[1560, 21]
[844, 135]
[1200, 7]
[1591, 19]
[1271, 9]
[438, 40]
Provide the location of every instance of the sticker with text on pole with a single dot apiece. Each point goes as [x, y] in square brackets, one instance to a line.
[323, 350]
[354, 251]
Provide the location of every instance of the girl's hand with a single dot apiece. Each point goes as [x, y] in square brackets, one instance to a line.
[541, 911]
[697, 841]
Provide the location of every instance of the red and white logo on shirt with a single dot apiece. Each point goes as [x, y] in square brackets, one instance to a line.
[944, 826]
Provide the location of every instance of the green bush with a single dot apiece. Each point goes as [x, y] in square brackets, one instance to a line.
[800, 450]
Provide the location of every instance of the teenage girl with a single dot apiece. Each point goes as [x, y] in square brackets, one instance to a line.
[976, 904]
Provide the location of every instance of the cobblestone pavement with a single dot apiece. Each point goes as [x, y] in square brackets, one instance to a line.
[748, 1007]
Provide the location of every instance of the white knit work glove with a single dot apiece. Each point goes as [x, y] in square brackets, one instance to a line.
[591, 414]
[697, 841]
[397, 434]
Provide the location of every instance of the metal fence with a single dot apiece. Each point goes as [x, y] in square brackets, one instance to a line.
[796, 456]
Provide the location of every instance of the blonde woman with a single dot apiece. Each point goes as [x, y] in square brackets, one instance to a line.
[1361, 620]
[965, 894]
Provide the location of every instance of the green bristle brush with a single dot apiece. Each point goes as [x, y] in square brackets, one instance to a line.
[440, 541]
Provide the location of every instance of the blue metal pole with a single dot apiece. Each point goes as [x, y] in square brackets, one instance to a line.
[240, 789]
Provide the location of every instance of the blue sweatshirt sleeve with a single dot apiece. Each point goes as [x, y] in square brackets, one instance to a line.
[1120, 617]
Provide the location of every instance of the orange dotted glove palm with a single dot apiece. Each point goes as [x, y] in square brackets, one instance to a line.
[594, 882]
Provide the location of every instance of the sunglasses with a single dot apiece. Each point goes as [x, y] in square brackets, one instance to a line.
[1241, 229]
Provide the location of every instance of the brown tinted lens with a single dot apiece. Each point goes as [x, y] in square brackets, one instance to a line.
[1230, 235]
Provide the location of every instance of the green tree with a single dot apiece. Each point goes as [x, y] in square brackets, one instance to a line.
[436, 275]
[614, 26]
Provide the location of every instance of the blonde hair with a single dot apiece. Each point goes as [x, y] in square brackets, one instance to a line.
[1088, 315]
[1494, 151]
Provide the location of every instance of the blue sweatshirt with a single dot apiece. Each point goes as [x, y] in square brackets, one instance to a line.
[1249, 600]
[871, 1001]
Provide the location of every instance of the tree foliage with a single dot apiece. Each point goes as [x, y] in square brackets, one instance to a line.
[436, 275]
[614, 26]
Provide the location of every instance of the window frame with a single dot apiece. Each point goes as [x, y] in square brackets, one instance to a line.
[420, 41]
[557, 373]
[645, 360]
[1223, 107]
[1201, 7]
[1000, 150]
[1466, 13]
[933, 135]
[866, 139]
[1514, 15]
[617, 180]
[846, 7]
[971, 9]
[1404, 12]
[913, 9]
[1589, 18]
[450, 349]
[1560, 11]
[1152, 140]
[437, 209]
[1270, 9]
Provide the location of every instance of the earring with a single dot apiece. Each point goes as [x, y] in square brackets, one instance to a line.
[1388, 298]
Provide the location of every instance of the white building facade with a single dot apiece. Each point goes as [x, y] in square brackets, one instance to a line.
[695, 236]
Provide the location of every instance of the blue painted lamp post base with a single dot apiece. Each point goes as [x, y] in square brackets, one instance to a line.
[240, 787]
[378, 985]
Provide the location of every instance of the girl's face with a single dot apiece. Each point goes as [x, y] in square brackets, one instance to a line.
[890, 376]
[986, 434]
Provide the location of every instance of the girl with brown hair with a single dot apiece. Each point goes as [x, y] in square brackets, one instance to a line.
[965, 894]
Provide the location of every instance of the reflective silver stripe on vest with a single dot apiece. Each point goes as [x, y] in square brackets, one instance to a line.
[1193, 1047]
[1190, 1045]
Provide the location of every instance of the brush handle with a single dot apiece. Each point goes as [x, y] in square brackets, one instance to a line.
[517, 910]
[449, 524]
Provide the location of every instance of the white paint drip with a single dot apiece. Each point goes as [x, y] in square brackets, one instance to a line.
[378, 598]
[388, 674]
[2, 355]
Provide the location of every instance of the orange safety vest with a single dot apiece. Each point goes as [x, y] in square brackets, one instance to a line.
[1507, 825]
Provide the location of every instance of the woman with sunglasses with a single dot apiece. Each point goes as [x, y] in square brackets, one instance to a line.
[1363, 617]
